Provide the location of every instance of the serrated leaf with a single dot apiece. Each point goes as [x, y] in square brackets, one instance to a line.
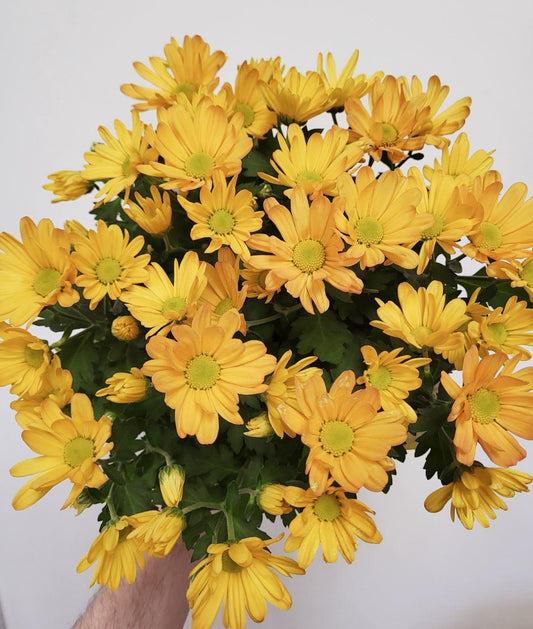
[323, 335]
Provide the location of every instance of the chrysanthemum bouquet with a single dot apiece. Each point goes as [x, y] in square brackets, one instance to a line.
[264, 317]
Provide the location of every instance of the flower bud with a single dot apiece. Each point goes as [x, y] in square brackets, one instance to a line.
[271, 499]
[171, 480]
[259, 427]
[124, 387]
[125, 328]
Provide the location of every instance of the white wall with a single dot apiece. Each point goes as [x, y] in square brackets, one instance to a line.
[63, 63]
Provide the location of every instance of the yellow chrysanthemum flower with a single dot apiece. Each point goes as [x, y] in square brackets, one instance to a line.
[36, 272]
[203, 371]
[310, 253]
[164, 301]
[378, 217]
[69, 448]
[330, 520]
[239, 576]
[519, 272]
[247, 99]
[348, 438]
[196, 139]
[476, 494]
[315, 163]
[254, 283]
[423, 318]
[67, 185]
[116, 554]
[108, 262]
[184, 70]
[281, 392]
[391, 124]
[394, 377]
[506, 227]
[117, 160]
[457, 161]
[56, 385]
[269, 69]
[24, 362]
[223, 215]
[125, 387]
[345, 85]
[436, 125]
[152, 214]
[488, 407]
[296, 97]
[508, 329]
[454, 213]
[271, 499]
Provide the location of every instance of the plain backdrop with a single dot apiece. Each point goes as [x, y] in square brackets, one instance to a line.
[62, 65]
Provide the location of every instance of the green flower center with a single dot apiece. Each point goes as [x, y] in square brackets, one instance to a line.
[527, 273]
[369, 231]
[492, 235]
[336, 437]
[228, 565]
[309, 255]
[309, 175]
[497, 333]
[249, 113]
[381, 378]
[78, 450]
[198, 165]
[123, 533]
[221, 222]
[108, 270]
[186, 88]
[33, 357]
[390, 134]
[421, 333]
[174, 307]
[327, 508]
[223, 306]
[435, 230]
[484, 405]
[126, 167]
[202, 372]
[46, 281]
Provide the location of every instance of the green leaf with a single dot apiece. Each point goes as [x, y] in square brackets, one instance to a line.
[323, 335]
[79, 355]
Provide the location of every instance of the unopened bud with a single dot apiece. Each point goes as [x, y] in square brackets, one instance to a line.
[125, 328]
[171, 480]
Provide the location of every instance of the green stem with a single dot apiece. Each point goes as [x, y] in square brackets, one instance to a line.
[151, 448]
[230, 527]
[214, 506]
[168, 245]
[334, 116]
[111, 506]
[251, 324]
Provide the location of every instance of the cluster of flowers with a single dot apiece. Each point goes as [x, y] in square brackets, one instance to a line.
[296, 284]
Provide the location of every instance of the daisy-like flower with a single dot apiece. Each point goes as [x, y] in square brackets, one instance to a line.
[330, 520]
[309, 254]
[348, 437]
[194, 140]
[125, 387]
[269, 69]
[457, 161]
[239, 576]
[378, 217]
[152, 214]
[315, 163]
[116, 161]
[223, 215]
[203, 371]
[254, 283]
[281, 392]
[455, 215]
[506, 227]
[423, 318]
[69, 448]
[488, 407]
[67, 185]
[507, 329]
[475, 495]
[24, 362]
[163, 301]
[184, 70]
[345, 85]
[108, 262]
[247, 99]
[520, 272]
[222, 291]
[115, 553]
[392, 123]
[296, 97]
[394, 377]
[36, 272]
[437, 125]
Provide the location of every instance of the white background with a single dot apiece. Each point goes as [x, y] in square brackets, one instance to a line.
[63, 62]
